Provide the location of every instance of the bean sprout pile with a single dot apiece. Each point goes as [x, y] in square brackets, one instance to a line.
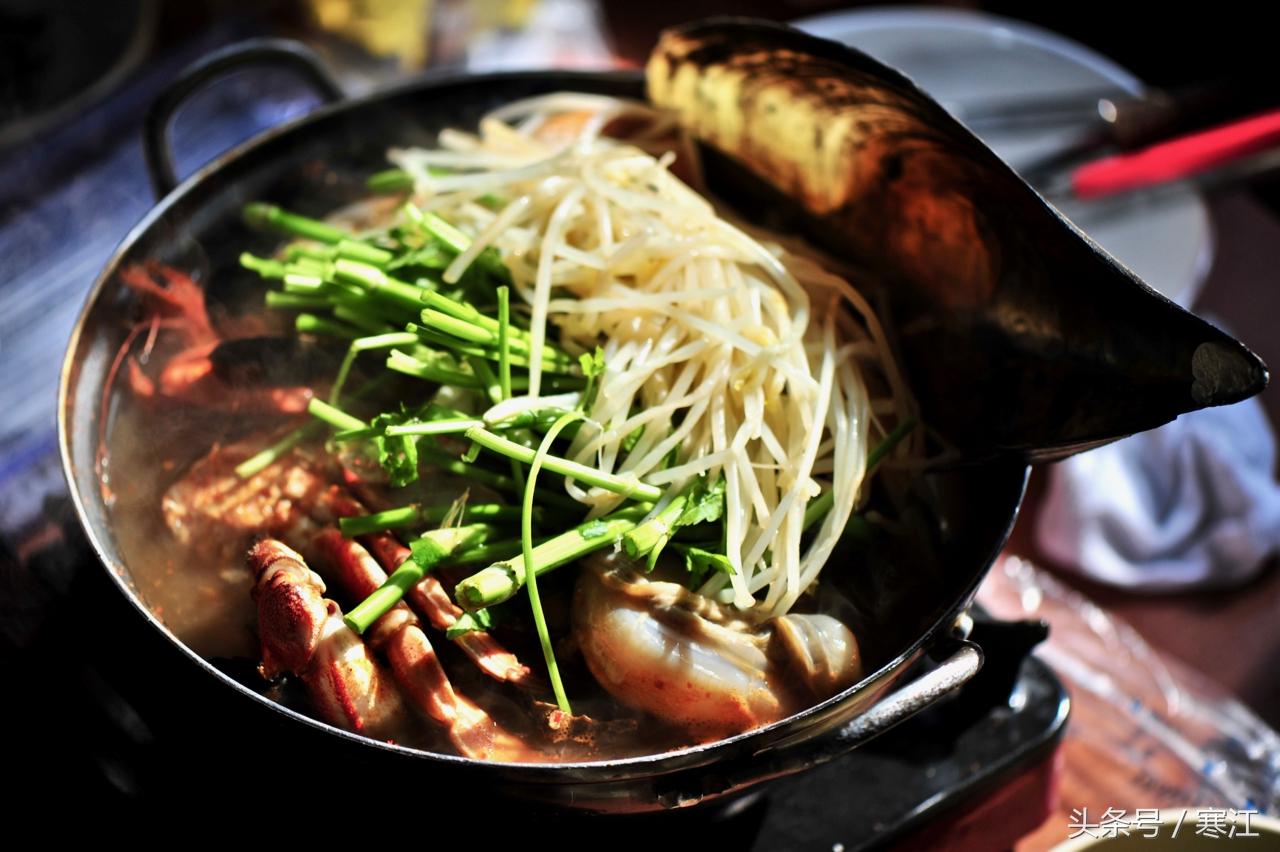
[726, 357]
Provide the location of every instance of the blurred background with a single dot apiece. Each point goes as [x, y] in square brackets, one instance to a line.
[1032, 79]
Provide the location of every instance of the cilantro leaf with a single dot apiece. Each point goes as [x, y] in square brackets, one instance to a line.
[399, 458]
[705, 503]
[430, 255]
[700, 562]
[398, 454]
[469, 622]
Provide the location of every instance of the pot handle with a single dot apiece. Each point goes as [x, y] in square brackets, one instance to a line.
[258, 51]
[779, 759]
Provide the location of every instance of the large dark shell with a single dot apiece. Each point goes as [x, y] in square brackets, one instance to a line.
[1018, 333]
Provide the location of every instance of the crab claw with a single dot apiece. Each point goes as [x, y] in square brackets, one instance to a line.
[291, 607]
[399, 636]
[303, 633]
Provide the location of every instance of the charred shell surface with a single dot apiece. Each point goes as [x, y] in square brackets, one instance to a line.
[1018, 333]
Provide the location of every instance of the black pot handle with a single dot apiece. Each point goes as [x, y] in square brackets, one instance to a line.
[258, 51]
[686, 788]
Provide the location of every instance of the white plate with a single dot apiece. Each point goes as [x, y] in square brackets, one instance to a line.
[968, 58]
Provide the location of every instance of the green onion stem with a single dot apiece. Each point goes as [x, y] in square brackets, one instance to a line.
[313, 324]
[361, 319]
[411, 296]
[443, 426]
[482, 333]
[574, 470]
[501, 580]
[262, 460]
[344, 248]
[391, 519]
[300, 282]
[264, 266]
[295, 301]
[530, 573]
[497, 481]
[881, 450]
[655, 532]
[485, 553]
[366, 344]
[410, 366]
[297, 251]
[504, 364]
[308, 266]
[374, 280]
[334, 416]
[415, 515]
[457, 241]
[428, 551]
[550, 363]
[504, 341]
[533, 418]
[488, 380]
[378, 284]
[356, 434]
[357, 250]
[263, 216]
[390, 181]
[461, 329]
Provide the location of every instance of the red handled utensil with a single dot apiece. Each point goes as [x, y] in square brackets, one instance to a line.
[1177, 159]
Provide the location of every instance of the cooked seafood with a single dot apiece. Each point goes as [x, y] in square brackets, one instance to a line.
[303, 633]
[704, 665]
[352, 684]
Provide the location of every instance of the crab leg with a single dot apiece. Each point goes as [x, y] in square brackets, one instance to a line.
[302, 632]
[399, 635]
[429, 598]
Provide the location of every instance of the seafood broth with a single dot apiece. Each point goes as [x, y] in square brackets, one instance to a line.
[202, 592]
[204, 601]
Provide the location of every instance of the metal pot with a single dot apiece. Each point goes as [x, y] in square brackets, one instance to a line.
[320, 161]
